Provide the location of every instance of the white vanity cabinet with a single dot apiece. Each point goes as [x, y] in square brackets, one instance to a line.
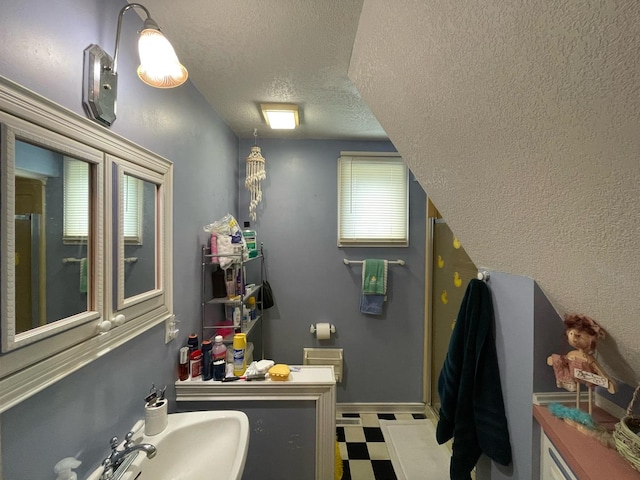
[552, 465]
[292, 422]
[568, 454]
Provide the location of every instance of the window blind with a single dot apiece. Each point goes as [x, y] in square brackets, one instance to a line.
[373, 201]
[132, 208]
[76, 199]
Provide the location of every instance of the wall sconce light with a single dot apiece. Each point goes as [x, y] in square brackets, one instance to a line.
[282, 116]
[159, 67]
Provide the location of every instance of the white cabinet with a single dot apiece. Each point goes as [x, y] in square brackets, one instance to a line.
[552, 465]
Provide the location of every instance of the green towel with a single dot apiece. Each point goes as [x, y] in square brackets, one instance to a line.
[83, 275]
[373, 277]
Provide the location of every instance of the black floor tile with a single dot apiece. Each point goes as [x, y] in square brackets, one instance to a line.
[346, 473]
[357, 451]
[340, 434]
[350, 415]
[383, 470]
[419, 416]
[386, 416]
[373, 434]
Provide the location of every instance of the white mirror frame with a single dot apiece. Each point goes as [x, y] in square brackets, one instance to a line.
[21, 373]
[156, 179]
[12, 129]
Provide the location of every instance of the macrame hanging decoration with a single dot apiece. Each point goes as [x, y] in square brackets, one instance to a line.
[255, 174]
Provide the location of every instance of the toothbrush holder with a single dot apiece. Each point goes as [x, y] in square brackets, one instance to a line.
[155, 417]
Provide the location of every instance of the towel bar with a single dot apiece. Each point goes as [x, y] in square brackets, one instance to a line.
[391, 262]
[72, 260]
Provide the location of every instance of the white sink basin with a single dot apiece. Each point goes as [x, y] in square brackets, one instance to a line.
[196, 446]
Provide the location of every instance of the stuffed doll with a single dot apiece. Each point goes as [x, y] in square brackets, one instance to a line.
[579, 366]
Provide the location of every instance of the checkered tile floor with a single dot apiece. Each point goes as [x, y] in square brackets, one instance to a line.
[363, 450]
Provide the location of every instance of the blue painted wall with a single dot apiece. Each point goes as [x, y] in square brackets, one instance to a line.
[78, 415]
[297, 223]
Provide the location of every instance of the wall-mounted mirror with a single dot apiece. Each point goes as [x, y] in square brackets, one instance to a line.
[139, 220]
[49, 203]
[67, 269]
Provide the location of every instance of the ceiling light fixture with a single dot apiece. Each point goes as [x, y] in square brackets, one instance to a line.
[280, 116]
[159, 67]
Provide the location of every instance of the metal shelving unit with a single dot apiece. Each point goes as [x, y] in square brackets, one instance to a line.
[253, 328]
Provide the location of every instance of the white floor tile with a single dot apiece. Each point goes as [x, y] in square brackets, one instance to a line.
[369, 420]
[378, 451]
[354, 434]
[361, 470]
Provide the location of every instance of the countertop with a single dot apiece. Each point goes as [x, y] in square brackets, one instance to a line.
[309, 379]
[587, 457]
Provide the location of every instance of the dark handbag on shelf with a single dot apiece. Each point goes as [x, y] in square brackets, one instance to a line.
[266, 295]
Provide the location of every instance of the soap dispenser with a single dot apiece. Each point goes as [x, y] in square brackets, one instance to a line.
[64, 469]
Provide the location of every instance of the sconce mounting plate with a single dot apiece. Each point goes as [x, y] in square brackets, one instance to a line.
[99, 97]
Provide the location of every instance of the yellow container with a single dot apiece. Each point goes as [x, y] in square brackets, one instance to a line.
[239, 351]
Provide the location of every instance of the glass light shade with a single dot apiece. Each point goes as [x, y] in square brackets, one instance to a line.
[159, 64]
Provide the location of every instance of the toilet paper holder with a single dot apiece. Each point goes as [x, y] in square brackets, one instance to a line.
[313, 329]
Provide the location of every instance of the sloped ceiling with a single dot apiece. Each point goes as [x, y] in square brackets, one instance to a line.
[522, 122]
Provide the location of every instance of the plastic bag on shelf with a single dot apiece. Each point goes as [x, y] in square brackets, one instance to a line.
[229, 239]
[226, 225]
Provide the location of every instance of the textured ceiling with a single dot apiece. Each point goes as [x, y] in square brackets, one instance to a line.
[520, 120]
[243, 53]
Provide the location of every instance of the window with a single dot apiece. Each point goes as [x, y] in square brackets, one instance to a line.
[132, 210]
[373, 200]
[76, 204]
[76, 200]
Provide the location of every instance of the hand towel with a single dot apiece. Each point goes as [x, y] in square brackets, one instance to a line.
[374, 276]
[83, 275]
[374, 286]
[371, 304]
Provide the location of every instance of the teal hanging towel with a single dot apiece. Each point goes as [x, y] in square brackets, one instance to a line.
[374, 277]
[83, 275]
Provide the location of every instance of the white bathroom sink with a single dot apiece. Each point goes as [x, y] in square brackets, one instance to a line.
[196, 446]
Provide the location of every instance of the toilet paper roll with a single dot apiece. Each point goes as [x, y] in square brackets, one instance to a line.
[155, 418]
[323, 331]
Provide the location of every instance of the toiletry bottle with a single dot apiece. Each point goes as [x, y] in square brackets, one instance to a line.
[251, 303]
[213, 248]
[192, 342]
[195, 362]
[183, 366]
[219, 358]
[245, 318]
[207, 373]
[250, 239]
[239, 283]
[239, 348]
[219, 289]
[230, 283]
[237, 320]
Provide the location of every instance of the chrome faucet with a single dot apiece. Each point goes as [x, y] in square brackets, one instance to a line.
[117, 457]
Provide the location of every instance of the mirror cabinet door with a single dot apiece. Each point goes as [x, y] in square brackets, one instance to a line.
[51, 195]
[140, 237]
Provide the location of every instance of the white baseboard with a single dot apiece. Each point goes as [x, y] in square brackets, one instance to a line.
[545, 398]
[610, 407]
[380, 408]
